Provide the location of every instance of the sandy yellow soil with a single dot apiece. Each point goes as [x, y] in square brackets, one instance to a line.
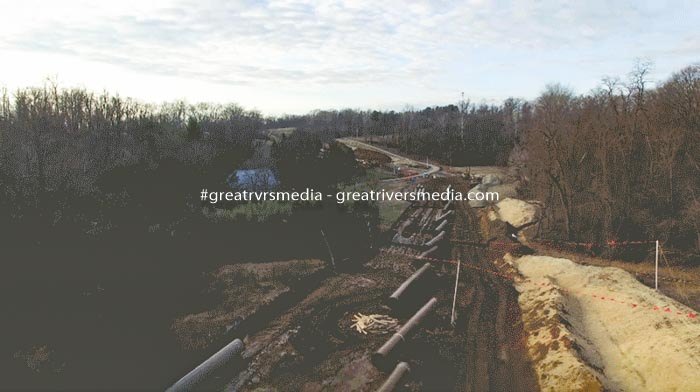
[634, 337]
[592, 327]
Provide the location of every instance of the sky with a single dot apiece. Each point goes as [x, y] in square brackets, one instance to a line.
[296, 56]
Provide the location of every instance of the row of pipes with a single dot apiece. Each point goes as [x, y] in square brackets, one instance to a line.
[387, 356]
[382, 358]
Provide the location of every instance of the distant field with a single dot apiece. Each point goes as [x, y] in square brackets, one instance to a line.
[389, 212]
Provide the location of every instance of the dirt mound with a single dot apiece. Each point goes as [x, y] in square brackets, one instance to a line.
[631, 337]
[372, 158]
[516, 212]
[551, 344]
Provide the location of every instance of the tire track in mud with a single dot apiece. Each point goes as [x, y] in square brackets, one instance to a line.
[497, 359]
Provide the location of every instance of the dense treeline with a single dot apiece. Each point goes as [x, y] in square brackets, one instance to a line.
[99, 220]
[75, 166]
[462, 134]
[302, 160]
[73, 163]
[620, 163]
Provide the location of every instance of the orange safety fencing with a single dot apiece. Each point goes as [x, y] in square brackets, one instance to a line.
[610, 297]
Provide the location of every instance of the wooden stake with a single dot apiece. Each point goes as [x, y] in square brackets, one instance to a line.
[454, 299]
[656, 268]
[330, 252]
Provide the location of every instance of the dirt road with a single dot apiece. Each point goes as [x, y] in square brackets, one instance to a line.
[431, 168]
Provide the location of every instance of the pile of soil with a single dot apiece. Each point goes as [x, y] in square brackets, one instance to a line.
[371, 158]
[632, 337]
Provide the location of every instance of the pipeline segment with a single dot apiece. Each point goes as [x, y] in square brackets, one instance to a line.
[201, 373]
[428, 252]
[382, 357]
[443, 216]
[441, 226]
[447, 205]
[406, 286]
[395, 377]
[435, 239]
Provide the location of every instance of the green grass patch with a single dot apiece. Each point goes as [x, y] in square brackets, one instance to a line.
[389, 212]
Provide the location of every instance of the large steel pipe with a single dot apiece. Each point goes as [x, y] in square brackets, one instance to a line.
[395, 377]
[383, 357]
[443, 216]
[428, 252]
[447, 205]
[201, 373]
[404, 225]
[401, 240]
[435, 239]
[441, 226]
[408, 285]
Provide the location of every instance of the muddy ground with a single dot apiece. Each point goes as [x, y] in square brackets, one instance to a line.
[310, 345]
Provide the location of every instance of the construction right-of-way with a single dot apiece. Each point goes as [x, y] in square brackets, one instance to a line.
[487, 321]
[428, 225]
[396, 323]
[489, 315]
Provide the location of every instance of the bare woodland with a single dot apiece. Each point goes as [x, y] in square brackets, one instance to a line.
[618, 163]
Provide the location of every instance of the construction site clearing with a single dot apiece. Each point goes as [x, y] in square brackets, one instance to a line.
[517, 320]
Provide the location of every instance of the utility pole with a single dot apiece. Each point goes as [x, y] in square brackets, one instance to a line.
[462, 108]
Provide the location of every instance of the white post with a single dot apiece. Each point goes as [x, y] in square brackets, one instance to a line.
[454, 299]
[656, 268]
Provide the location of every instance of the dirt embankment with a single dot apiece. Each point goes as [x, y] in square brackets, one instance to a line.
[371, 158]
[634, 338]
[598, 328]
[552, 345]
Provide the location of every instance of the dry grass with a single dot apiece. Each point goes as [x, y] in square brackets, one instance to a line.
[239, 291]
